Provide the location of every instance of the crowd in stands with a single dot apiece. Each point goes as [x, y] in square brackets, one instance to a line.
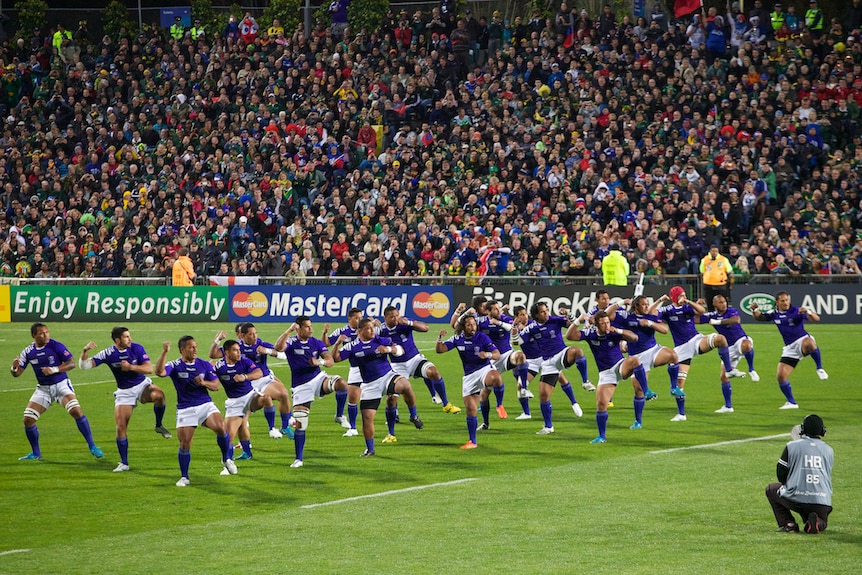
[440, 144]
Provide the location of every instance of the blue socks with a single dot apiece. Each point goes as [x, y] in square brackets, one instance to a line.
[522, 373]
[269, 414]
[430, 385]
[602, 423]
[123, 448]
[390, 420]
[159, 411]
[485, 407]
[570, 393]
[185, 458]
[412, 410]
[581, 364]
[727, 392]
[440, 388]
[246, 446]
[641, 376]
[472, 426]
[223, 441]
[84, 427]
[680, 405]
[33, 437]
[673, 374]
[724, 354]
[815, 355]
[525, 405]
[639, 403]
[749, 357]
[369, 444]
[299, 439]
[230, 450]
[352, 413]
[787, 390]
[498, 394]
[340, 402]
[547, 412]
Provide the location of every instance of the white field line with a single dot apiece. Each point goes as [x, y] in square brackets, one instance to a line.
[11, 551]
[387, 493]
[720, 443]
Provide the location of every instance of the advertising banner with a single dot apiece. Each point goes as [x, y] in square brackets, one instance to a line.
[834, 303]
[331, 303]
[118, 303]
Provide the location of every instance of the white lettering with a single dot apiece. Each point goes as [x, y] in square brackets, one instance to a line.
[814, 461]
[858, 304]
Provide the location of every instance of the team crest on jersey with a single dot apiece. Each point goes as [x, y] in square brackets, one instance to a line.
[183, 375]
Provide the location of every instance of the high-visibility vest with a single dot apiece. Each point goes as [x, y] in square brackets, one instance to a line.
[814, 19]
[715, 271]
[615, 269]
[777, 19]
[177, 31]
[196, 31]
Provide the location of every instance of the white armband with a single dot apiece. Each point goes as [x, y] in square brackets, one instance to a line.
[409, 323]
[54, 370]
[506, 326]
[397, 351]
[86, 363]
[279, 355]
[715, 322]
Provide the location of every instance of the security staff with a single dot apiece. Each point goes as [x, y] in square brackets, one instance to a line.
[197, 30]
[177, 31]
[804, 480]
[814, 20]
[615, 267]
[776, 18]
[715, 270]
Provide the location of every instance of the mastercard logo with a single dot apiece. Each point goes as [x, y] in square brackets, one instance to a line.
[434, 305]
[252, 304]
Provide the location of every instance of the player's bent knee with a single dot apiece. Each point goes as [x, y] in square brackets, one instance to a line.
[30, 413]
[301, 418]
[72, 404]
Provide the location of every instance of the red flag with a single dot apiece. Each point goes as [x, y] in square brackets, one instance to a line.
[570, 38]
[685, 7]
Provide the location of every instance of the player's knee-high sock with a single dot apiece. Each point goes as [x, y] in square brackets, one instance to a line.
[269, 414]
[727, 392]
[430, 385]
[485, 408]
[673, 373]
[498, 394]
[285, 420]
[547, 413]
[680, 405]
[230, 450]
[223, 440]
[570, 393]
[525, 404]
[602, 423]
[299, 438]
[84, 427]
[340, 402]
[390, 420]
[581, 364]
[440, 388]
[33, 437]
[369, 444]
[412, 410]
[815, 355]
[472, 426]
[352, 413]
[724, 354]
[246, 446]
[639, 403]
[787, 390]
[123, 448]
[185, 458]
[749, 357]
[641, 376]
[522, 374]
[159, 412]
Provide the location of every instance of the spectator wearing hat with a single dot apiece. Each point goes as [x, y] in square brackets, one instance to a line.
[177, 30]
[814, 21]
[804, 473]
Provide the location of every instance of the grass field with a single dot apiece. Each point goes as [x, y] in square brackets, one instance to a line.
[520, 503]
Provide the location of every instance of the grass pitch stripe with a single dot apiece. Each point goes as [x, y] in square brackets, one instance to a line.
[720, 443]
[13, 551]
[385, 493]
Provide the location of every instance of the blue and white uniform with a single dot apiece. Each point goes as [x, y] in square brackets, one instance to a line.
[55, 386]
[411, 363]
[239, 393]
[194, 404]
[791, 326]
[734, 334]
[532, 351]
[606, 351]
[130, 385]
[259, 359]
[680, 321]
[350, 334]
[306, 380]
[619, 316]
[378, 374]
[549, 338]
[646, 348]
[475, 367]
[501, 338]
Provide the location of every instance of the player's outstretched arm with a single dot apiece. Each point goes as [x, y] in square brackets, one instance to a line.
[160, 362]
[215, 346]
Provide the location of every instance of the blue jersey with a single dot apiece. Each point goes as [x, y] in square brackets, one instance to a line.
[135, 354]
[530, 348]
[189, 393]
[226, 372]
[54, 354]
[619, 316]
[403, 336]
[348, 332]
[605, 348]
[732, 333]
[299, 356]
[499, 335]
[646, 335]
[790, 323]
[372, 365]
[680, 321]
[250, 351]
[548, 336]
[469, 348]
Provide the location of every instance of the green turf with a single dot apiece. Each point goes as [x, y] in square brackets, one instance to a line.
[550, 504]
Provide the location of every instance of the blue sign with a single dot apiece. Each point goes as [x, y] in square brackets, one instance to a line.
[639, 8]
[168, 15]
[331, 303]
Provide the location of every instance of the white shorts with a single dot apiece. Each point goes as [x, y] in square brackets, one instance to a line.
[534, 365]
[794, 350]
[736, 350]
[690, 348]
[260, 385]
[311, 390]
[45, 395]
[408, 368]
[377, 389]
[132, 395]
[195, 415]
[613, 375]
[502, 364]
[475, 382]
[554, 364]
[647, 358]
[354, 376]
[237, 406]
